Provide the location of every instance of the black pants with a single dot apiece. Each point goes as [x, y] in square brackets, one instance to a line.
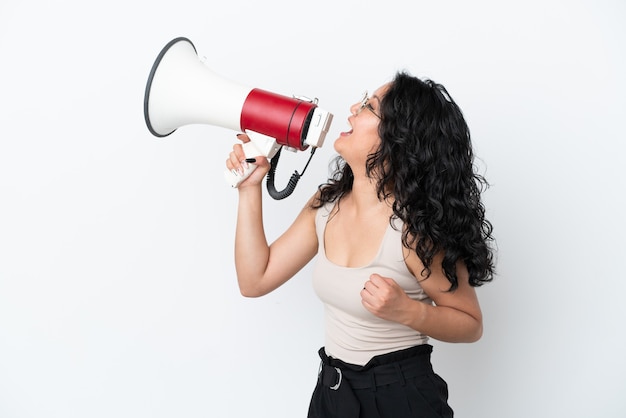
[401, 384]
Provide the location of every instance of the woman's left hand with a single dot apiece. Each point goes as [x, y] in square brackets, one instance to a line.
[383, 297]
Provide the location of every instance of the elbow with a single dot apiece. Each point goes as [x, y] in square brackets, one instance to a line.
[250, 292]
[470, 333]
[476, 333]
[248, 287]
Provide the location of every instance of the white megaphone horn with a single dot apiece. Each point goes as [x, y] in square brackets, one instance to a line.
[182, 90]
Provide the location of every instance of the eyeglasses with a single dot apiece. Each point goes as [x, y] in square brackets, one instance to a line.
[366, 105]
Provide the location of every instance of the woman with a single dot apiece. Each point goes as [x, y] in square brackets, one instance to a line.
[402, 241]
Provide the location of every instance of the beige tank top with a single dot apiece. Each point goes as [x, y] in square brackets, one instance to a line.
[352, 333]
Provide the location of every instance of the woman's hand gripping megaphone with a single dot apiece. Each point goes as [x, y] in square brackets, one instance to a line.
[246, 163]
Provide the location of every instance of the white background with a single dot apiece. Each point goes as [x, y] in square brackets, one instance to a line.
[118, 296]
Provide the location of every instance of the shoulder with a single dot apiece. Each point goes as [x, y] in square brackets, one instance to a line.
[313, 209]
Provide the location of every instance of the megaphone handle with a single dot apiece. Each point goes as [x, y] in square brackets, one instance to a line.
[232, 177]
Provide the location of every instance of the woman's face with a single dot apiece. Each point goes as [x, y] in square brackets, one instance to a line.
[362, 139]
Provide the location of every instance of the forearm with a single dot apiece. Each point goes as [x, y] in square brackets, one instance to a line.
[251, 247]
[444, 323]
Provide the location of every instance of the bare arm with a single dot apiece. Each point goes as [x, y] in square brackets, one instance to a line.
[455, 317]
[261, 267]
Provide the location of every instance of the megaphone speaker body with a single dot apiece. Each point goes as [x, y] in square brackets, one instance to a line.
[182, 90]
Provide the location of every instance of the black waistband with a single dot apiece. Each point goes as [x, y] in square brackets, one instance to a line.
[381, 370]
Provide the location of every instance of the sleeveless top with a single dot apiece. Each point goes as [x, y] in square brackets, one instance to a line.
[352, 333]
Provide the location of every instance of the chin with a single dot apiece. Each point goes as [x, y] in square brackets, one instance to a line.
[337, 145]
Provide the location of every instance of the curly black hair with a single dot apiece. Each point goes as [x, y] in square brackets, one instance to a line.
[425, 163]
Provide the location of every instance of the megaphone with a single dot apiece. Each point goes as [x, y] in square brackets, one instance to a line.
[182, 90]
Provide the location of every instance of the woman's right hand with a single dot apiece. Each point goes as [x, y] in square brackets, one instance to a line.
[236, 162]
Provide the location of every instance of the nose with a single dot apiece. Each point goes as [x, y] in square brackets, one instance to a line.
[354, 109]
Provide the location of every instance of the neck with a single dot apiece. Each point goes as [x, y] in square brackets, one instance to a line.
[364, 197]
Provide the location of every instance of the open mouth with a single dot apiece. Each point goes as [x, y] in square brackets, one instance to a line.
[346, 133]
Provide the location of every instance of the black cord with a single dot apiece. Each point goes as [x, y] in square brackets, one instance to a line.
[293, 181]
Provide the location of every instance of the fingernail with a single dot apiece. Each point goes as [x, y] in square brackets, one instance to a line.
[251, 160]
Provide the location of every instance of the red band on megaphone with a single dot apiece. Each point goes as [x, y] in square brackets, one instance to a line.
[283, 118]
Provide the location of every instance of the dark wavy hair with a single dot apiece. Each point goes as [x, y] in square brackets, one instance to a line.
[425, 163]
